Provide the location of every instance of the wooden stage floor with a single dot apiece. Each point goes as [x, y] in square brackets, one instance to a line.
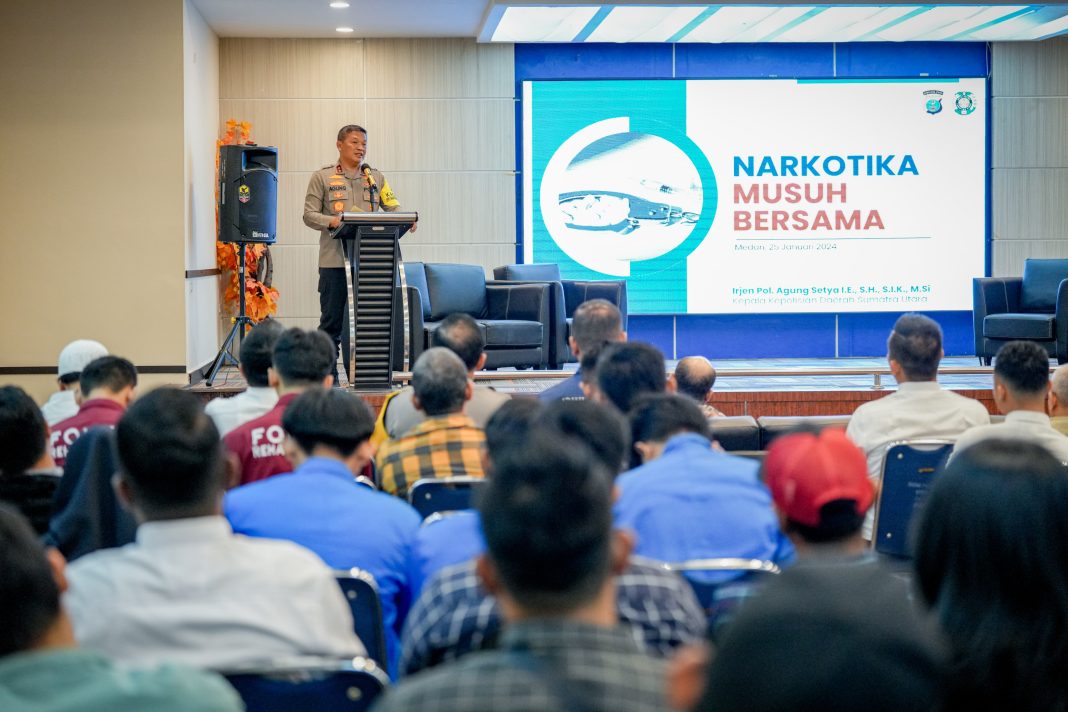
[753, 387]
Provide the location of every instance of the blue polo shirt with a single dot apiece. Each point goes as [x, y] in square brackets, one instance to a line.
[453, 540]
[694, 502]
[320, 507]
[569, 389]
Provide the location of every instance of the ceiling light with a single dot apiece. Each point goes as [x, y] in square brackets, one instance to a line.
[344, 29]
[339, 5]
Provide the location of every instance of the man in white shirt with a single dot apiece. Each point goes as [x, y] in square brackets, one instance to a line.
[1021, 384]
[188, 590]
[259, 397]
[920, 408]
[74, 357]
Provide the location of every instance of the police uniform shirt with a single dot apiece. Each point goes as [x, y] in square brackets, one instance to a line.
[333, 190]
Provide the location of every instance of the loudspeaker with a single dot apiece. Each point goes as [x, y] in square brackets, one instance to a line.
[248, 193]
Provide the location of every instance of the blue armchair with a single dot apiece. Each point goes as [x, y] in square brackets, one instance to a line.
[1033, 308]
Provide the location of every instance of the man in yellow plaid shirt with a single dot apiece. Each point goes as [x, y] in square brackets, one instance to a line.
[447, 443]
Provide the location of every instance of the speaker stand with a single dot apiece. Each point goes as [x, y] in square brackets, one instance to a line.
[240, 321]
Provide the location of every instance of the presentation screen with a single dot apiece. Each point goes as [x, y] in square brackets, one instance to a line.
[763, 196]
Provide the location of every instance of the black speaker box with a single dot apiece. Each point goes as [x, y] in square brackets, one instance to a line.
[248, 193]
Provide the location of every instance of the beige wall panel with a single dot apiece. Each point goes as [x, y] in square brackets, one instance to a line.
[290, 68]
[438, 68]
[40, 388]
[305, 323]
[489, 256]
[1029, 203]
[305, 132]
[441, 135]
[296, 275]
[1009, 255]
[1030, 133]
[458, 207]
[1030, 68]
[292, 187]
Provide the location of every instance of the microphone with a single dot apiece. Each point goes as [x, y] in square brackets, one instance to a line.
[371, 185]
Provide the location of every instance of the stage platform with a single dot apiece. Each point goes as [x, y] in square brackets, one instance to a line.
[753, 387]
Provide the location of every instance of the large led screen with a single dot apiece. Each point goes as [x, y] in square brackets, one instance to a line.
[763, 196]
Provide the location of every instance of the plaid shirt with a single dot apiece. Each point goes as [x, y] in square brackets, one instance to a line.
[542, 665]
[445, 446]
[454, 616]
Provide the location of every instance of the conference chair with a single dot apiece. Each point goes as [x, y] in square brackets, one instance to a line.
[733, 581]
[566, 296]
[361, 591]
[350, 685]
[736, 432]
[909, 470]
[1033, 307]
[445, 494]
[366, 482]
[772, 426]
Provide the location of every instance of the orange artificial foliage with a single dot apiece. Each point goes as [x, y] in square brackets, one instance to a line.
[261, 300]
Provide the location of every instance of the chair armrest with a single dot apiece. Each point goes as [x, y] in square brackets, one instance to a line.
[415, 326]
[1061, 322]
[559, 350]
[578, 291]
[993, 295]
[511, 300]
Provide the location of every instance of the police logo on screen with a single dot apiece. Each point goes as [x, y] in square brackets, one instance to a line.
[934, 101]
[964, 104]
[244, 194]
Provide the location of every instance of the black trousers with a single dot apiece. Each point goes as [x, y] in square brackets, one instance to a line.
[334, 311]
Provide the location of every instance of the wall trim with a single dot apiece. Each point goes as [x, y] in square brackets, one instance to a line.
[51, 370]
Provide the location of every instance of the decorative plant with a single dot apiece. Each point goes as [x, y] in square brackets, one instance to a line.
[261, 299]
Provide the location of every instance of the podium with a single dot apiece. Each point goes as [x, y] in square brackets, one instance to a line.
[371, 244]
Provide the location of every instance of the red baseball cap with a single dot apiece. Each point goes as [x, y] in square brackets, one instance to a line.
[805, 471]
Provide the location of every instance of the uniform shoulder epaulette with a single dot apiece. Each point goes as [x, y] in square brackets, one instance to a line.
[328, 165]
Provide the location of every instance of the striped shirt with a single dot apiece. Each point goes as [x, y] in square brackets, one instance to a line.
[444, 446]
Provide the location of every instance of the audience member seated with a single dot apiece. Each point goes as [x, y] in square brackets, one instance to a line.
[546, 514]
[458, 333]
[694, 377]
[107, 387]
[454, 616]
[320, 506]
[919, 408]
[1021, 383]
[688, 500]
[1058, 400]
[447, 443]
[991, 549]
[300, 360]
[189, 590]
[595, 323]
[626, 371]
[28, 479]
[259, 397]
[73, 358]
[41, 667]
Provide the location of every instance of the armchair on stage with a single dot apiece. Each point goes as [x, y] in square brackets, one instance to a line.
[565, 297]
[1033, 307]
[515, 319]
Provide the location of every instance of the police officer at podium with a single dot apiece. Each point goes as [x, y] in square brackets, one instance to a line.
[348, 185]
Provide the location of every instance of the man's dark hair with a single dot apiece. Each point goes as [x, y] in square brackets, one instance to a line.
[23, 431]
[507, 428]
[839, 520]
[68, 378]
[439, 381]
[303, 358]
[602, 428]
[627, 370]
[350, 128]
[547, 518]
[328, 416]
[257, 350]
[657, 417]
[29, 596]
[1023, 366]
[112, 373]
[595, 323]
[459, 333]
[170, 452]
[916, 344]
[695, 377]
[991, 546]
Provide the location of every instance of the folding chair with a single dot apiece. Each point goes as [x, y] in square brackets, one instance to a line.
[909, 470]
[349, 685]
[446, 494]
[721, 597]
[361, 591]
[366, 482]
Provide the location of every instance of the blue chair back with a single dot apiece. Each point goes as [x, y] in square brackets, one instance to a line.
[446, 494]
[720, 597]
[341, 686]
[361, 591]
[909, 471]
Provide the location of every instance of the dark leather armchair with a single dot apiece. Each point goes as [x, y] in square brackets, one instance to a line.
[1033, 308]
[515, 319]
[566, 296]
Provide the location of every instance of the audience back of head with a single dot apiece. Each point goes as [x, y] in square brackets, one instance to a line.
[459, 333]
[330, 418]
[23, 432]
[302, 358]
[694, 377]
[1022, 369]
[655, 418]
[110, 374]
[916, 345]
[256, 352]
[75, 356]
[29, 595]
[992, 562]
[596, 322]
[507, 428]
[439, 380]
[627, 370]
[600, 427]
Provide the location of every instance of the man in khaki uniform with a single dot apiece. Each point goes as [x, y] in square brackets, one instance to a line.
[332, 190]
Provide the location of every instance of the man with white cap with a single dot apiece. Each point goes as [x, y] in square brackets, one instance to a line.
[72, 359]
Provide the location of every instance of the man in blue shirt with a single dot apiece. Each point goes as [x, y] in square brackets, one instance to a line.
[689, 501]
[595, 323]
[320, 506]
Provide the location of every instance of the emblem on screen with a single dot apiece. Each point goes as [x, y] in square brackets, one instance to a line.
[934, 101]
[964, 104]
